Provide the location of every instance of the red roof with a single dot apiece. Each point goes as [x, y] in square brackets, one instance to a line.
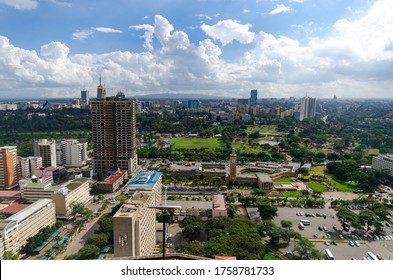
[224, 258]
[113, 178]
[10, 194]
[13, 208]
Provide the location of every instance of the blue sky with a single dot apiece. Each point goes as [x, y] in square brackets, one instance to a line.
[283, 48]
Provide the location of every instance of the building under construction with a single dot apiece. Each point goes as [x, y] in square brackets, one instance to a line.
[114, 134]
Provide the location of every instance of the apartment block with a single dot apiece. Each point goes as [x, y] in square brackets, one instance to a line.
[46, 149]
[15, 230]
[71, 153]
[8, 167]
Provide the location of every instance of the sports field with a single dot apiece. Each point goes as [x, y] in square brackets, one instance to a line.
[196, 143]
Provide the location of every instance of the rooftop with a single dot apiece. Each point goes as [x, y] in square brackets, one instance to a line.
[113, 178]
[76, 183]
[28, 211]
[145, 180]
[10, 193]
[13, 208]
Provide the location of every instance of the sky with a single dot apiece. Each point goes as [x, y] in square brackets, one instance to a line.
[282, 48]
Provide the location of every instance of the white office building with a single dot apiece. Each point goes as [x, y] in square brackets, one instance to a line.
[71, 152]
[383, 162]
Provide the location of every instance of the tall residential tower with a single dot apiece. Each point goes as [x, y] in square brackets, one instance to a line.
[114, 134]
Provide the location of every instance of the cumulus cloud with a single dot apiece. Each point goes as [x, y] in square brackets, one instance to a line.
[280, 8]
[147, 36]
[355, 59]
[227, 31]
[21, 4]
[107, 30]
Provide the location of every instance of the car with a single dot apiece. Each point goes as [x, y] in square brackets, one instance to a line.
[341, 236]
[335, 228]
[195, 241]
[300, 213]
[334, 242]
[328, 235]
[387, 224]
[353, 258]
[326, 243]
[315, 235]
[320, 228]
[357, 244]
[288, 253]
[351, 243]
[324, 228]
[379, 257]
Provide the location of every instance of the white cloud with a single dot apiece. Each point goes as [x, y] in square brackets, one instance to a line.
[355, 59]
[107, 30]
[245, 11]
[61, 3]
[280, 8]
[21, 4]
[148, 35]
[227, 31]
[297, 1]
[81, 35]
[204, 16]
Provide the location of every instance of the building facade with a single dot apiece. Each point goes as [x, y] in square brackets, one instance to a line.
[134, 224]
[15, 230]
[85, 97]
[46, 149]
[307, 108]
[383, 162]
[8, 167]
[72, 153]
[114, 135]
[253, 98]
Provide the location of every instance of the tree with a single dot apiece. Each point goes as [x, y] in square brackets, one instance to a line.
[192, 226]
[287, 225]
[9, 255]
[77, 208]
[305, 250]
[346, 216]
[267, 211]
[99, 240]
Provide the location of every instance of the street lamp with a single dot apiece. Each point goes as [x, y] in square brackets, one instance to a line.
[164, 209]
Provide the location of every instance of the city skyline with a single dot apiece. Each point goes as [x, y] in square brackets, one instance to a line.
[282, 48]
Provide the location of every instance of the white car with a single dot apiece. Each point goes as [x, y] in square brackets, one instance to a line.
[357, 244]
[351, 243]
[327, 243]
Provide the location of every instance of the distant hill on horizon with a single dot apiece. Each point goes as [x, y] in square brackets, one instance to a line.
[179, 96]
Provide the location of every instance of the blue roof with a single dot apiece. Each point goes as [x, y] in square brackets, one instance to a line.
[145, 180]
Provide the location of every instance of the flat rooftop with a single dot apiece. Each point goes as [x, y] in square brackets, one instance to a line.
[145, 180]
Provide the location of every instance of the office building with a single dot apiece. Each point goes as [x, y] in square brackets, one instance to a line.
[113, 182]
[101, 91]
[46, 149]
[71, 153]
[253, 98]
[8, 167]
[15, 230]
[307, 108]
[26, 165]
[85, 97]
[194, 104]
[114, 135]
[134, 224]
[383, 162]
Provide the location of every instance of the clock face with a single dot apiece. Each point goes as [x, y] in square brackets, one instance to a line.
[233, 160]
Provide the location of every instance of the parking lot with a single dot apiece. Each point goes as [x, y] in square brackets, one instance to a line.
[326, 218]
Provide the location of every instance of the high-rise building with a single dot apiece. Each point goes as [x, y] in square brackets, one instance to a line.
[85, 97]
[71, 152]
[8, 167]
[307, 108]
[27, 165]
[114, 135]
[194, 104]
[134, 224]
[101, 91]
[46, 149]
[253, 98]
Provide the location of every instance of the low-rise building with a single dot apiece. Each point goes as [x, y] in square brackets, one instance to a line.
[383, 162]
[219, 208]
[113, 182]
[15, 230]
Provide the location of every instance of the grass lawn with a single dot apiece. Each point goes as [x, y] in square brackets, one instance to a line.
[372, 152]
[246, 148]
[317, 187]
[291, 194]
[283, 180]
[317, 170]
[262, 129]
[196, 143]
[340, 185]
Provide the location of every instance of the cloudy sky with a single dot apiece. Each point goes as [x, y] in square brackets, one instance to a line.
[283, 48]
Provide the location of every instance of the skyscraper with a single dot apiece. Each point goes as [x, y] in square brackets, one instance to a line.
[85, 97]
[307, 108]
[46, 149]
[8, 167]
[253, 98]
[114, 135]
[101, 91]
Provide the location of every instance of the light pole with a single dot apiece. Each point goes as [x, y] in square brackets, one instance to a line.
[164, 209]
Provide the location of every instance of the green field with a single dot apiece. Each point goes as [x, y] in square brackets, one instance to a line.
[291, 194]
[332, 180]
[262, 129]
[317, 187]
[246, 148]
[284, 180]
[372, 152]
[196, 143]
[318, 170]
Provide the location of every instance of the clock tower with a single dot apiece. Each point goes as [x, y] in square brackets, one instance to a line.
[232, 166]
